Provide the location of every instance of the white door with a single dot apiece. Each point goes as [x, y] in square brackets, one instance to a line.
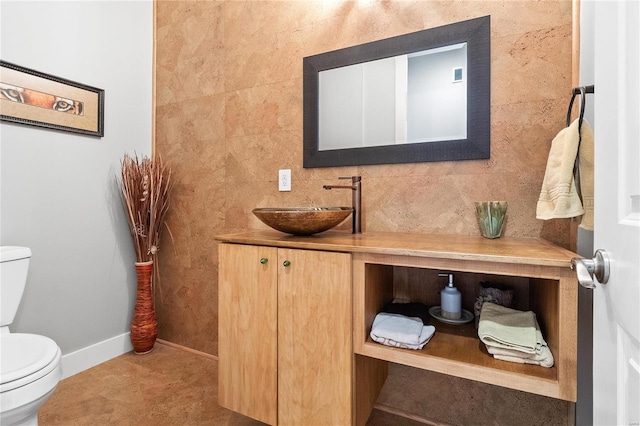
[616, 328]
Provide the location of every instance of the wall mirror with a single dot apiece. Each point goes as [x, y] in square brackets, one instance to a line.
[423, 96]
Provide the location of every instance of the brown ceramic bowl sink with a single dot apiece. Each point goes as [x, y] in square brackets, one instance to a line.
[302, 220]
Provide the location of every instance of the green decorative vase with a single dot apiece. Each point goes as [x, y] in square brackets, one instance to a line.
[491, 216]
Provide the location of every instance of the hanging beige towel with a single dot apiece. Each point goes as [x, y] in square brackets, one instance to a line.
[559, 198]
[585, 165]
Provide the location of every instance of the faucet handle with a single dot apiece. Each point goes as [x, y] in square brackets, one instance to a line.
[352, 178]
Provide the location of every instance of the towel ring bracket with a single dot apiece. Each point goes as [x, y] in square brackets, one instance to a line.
[582, 91]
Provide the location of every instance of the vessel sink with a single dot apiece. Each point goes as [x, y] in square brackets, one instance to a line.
[302, 220]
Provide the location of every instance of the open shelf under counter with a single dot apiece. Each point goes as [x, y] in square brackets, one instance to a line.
[467, 358]
[548, 290]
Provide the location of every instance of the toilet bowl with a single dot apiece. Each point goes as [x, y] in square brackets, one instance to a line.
[30, 372]
[30, 369]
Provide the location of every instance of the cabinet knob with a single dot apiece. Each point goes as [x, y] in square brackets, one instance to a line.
[264, 260]
[286, 263]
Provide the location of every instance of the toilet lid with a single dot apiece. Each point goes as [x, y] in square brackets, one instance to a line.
[24, 355]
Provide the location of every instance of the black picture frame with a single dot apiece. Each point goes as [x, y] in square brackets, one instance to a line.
[38, 99]
[475, 32]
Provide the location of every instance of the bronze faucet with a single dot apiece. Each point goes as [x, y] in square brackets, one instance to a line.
[356, 200]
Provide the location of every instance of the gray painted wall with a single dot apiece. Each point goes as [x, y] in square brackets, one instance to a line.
[58, 194]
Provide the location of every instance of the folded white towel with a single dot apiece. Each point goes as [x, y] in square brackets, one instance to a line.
[510, 329]
[427, 333]
[544, 358]
[398, 328]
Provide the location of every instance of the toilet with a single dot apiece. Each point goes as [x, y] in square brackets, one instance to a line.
[30, 364]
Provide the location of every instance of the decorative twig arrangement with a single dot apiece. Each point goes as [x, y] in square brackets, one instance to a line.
[146, 185]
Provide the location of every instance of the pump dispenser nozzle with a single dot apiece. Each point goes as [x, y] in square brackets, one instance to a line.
[450, 278]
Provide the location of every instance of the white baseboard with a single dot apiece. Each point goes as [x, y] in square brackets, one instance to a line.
[85, 358]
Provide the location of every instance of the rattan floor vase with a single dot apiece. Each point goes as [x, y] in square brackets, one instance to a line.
[144, 326]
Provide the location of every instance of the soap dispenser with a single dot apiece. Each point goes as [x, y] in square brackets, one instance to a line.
[450, 300]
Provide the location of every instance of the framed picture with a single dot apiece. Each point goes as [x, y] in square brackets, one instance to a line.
[43, 100]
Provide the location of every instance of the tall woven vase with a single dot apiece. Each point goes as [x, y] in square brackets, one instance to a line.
[144, 327]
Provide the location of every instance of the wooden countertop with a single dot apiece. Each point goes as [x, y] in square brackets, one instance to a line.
[530, 251]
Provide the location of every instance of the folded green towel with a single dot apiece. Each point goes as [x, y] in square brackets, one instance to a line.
[510, 329]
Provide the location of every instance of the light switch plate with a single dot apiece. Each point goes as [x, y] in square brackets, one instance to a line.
[284, 180]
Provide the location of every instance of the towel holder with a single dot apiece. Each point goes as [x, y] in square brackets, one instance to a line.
[582, 91]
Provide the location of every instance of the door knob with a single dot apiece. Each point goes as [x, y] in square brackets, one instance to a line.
[586, 269]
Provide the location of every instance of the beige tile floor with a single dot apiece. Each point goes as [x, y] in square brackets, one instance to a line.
[166, 387]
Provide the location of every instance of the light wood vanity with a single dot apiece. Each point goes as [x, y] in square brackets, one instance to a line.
[295, 315]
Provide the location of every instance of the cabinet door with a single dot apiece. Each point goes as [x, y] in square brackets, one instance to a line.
[247, 332]
[314, 338]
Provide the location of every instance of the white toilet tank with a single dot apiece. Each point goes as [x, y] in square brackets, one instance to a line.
[13, 277]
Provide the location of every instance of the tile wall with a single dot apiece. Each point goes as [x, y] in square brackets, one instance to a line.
[229, 115]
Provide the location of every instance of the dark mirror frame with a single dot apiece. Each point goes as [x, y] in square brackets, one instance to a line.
[475, 32]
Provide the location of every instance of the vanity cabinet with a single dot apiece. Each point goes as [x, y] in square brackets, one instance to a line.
[294, 341]
[285, 344]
